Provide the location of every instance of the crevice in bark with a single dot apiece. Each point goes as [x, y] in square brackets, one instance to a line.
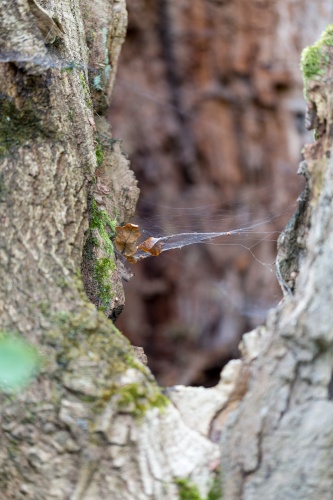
[330, 388]
[291, 243]
[292, 386]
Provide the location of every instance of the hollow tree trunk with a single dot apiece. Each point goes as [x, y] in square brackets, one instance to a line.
[93, 424]
[279, 442]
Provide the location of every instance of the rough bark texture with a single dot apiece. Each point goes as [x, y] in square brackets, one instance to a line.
[208, 101]
[93, 424]
[278, 443]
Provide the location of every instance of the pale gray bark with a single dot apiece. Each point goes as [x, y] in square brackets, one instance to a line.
[279, 442]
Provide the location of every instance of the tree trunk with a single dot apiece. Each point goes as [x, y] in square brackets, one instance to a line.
[92, 424]
[279, 442]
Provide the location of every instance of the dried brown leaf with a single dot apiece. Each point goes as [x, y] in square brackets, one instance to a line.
[152, 246]
[126, 239]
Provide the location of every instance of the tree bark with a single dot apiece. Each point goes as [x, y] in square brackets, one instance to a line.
[278, 442]
[93, 424]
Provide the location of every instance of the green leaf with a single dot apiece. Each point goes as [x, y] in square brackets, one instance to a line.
[19, 363]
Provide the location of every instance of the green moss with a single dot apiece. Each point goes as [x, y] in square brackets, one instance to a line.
[102, 270]
[138, 398]
[106, 227]
[315, 59]
[327, 36]
[62, 317]
[83, 83]
[133, 362]
[85, 89]
[88, 335]
[94, 242]
[215, 492]
[79, 327]
[101, 221]
[99, 153]
[187, 490]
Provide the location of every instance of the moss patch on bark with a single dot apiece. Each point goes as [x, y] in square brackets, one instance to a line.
[315, 58]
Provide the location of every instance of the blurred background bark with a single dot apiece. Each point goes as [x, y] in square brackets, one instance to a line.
[209, 104]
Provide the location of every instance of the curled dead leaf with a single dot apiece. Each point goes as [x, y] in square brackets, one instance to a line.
[152, 246]
[126, 240]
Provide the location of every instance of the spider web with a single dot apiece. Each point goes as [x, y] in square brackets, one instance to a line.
[172, 230]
